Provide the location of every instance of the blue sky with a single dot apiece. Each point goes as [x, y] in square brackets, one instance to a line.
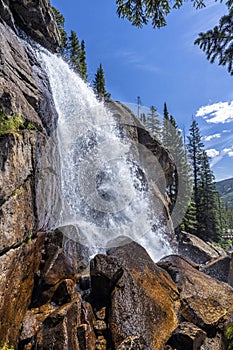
[161, 65]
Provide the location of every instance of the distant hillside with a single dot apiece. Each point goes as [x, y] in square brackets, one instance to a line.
[225, 189]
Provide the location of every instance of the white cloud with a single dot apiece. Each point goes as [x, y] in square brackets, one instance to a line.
[212, 153]
[210, 137]
[221, 112]
[228, 151]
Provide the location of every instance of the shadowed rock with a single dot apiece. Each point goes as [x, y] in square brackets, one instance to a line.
[218, 268]
[196, 249]
[187, 336]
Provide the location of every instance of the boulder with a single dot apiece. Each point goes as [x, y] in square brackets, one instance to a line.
[70, 326]
[140, 297]
[218, 268]
[187, 336]
[194, 248]
[205, 301]
[56, 269]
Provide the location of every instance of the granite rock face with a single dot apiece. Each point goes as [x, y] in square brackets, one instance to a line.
[35, 18]
[155, 158]
[17, 270]
[24, 91]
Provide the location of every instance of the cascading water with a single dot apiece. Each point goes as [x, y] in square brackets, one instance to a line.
[101, 194]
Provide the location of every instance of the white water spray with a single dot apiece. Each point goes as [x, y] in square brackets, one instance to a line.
[101, 194]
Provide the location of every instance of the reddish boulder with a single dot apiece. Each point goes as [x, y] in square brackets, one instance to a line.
[204, 300]
[141, 297]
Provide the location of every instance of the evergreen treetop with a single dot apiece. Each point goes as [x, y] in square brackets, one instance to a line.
[99, 84]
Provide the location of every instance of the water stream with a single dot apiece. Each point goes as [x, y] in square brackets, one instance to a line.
[100, 192]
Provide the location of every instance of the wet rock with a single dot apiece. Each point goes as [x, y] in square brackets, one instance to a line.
[187, 336]
[194, 248]
[218, 268]
[77, 254]
[204, 300]
[141, 297]
[64, 292]
[157, 161]
[53, 271]
[60, 328]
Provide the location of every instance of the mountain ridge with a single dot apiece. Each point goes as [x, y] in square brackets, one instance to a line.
[225, 189]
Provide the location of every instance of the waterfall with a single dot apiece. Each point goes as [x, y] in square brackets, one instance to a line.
[100, 192]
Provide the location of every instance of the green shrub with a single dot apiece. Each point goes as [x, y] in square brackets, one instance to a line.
[31, 126]
[7, 347]
[14, 124]
[229, 336]
[11, 125]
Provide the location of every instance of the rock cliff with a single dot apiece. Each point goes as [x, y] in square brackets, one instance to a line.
[24, 98]
[51, 300]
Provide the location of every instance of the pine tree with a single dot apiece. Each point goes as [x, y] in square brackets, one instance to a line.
[195, 150]
[179, 189]
[60, 20]
[189, 222]
[82, 61]
[216, 43]
[165, 127]
[99, 84]
[74, 51]
[153, 122]
[205, 195]
[208, 208]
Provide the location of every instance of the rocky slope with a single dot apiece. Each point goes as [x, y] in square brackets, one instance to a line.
[52, 300]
